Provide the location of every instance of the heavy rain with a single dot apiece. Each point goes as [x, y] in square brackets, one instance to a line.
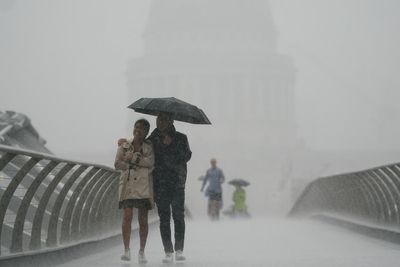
[302, 100]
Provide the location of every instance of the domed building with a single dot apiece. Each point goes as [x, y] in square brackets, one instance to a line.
[222, 56]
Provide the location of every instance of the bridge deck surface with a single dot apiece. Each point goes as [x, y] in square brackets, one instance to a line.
[262, 243]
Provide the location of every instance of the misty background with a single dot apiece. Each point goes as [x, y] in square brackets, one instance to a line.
[65, 65]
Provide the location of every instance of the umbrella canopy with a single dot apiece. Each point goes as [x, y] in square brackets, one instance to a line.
[239, 182]
[179, 110]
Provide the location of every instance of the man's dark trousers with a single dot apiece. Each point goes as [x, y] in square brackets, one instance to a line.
[171, 197]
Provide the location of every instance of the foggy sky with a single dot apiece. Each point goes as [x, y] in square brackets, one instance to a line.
[63, 63]
[347, 54]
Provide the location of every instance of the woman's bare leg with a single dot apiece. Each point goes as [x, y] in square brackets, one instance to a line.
[143, 227]
[127, 226]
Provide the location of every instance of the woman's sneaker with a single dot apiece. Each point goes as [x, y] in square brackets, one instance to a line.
[126, 256]
[179, 256]
[168, 258]
[142, 258]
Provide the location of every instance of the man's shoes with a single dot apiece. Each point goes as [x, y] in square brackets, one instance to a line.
[142, 258]
[168, 258]
[179, 256]
[126, 256]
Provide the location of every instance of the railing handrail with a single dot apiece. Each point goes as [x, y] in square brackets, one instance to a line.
[370, 196]
[358, 171]
[46, 156]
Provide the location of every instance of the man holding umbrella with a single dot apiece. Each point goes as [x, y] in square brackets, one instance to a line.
[172, 152]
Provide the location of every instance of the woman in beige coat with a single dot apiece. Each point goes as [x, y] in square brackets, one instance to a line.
[135, 158]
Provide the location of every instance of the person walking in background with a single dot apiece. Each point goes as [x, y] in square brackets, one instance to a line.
[215, 178]
[239, 200]
[135, 158]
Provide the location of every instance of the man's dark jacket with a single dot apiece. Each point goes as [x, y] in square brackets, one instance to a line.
[170, 160]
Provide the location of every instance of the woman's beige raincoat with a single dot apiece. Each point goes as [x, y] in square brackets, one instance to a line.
[136, 180]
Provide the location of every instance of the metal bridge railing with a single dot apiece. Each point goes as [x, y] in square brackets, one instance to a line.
[46, 201]
[370, 198]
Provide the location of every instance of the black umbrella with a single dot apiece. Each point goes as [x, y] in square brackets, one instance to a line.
[239, 182]
[179, 110]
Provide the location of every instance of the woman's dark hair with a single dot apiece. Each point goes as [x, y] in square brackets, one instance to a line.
[145, 123]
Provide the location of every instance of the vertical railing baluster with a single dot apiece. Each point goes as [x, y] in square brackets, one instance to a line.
[12, 186]
[76, 218]
[83, 226]
[96, 204]
[67, 217]
[35, 242]
[16, 243]
[105, 202]
[53, 223]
